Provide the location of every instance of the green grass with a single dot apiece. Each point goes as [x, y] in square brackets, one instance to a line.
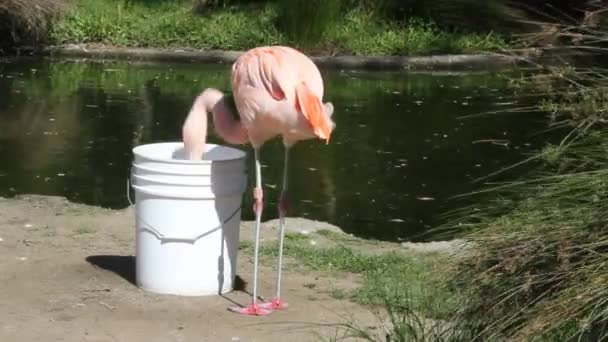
[405, 291]
[167, 24]
[245, 245]
[397, 277]
[172, 24]
[84, 230]
[399, 323]
[335, 236]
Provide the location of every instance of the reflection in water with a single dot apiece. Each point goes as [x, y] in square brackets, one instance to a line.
[398, 152]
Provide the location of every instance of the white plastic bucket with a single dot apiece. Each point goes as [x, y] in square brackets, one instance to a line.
[187, 216]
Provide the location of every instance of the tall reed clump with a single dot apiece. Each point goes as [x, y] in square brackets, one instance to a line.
[306, 22]
[400, 322]
[24, 22]
[540, 269]
[490, 15]
[203, 7]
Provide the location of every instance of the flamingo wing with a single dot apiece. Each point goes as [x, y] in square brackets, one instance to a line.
[285, 74]
[261, 69]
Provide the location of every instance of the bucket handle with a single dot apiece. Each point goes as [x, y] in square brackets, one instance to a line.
[131, 204]
[165, 239]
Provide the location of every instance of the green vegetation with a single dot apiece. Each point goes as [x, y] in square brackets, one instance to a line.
[162, 25]
[401, 323]
[541, 264]
[308, 21]
[407, 292]
[84, 230]
[540, 271]
[359, 27]
[398, 277]
[539, 267]
[172, 24]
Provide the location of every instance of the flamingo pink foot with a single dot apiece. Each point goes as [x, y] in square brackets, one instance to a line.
[275, 304]
[252, 309]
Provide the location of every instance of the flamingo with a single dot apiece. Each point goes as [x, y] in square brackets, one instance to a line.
[278, 91]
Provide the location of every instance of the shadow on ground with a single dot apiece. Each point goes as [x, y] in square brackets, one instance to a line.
[123, 266]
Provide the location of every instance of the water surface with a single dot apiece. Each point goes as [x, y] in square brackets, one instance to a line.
[400, 150]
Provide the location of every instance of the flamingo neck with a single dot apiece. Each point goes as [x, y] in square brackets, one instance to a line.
[227, 125]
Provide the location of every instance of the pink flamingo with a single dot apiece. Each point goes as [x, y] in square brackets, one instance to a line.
[277, 91]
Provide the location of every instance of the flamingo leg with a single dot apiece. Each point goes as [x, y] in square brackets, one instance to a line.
[277, 303]
[258, 195]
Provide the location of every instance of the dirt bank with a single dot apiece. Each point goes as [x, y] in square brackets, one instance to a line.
[67, 273]
[457, 62]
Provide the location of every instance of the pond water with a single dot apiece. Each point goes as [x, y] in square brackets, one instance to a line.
[400, 150]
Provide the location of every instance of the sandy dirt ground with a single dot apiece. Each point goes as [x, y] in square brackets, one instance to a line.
[67, 273]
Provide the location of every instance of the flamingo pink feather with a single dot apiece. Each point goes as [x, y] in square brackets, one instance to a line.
[277, 91]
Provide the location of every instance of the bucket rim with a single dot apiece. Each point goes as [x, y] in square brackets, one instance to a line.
[137, 150]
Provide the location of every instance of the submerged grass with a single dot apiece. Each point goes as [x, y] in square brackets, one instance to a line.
[243, 26]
